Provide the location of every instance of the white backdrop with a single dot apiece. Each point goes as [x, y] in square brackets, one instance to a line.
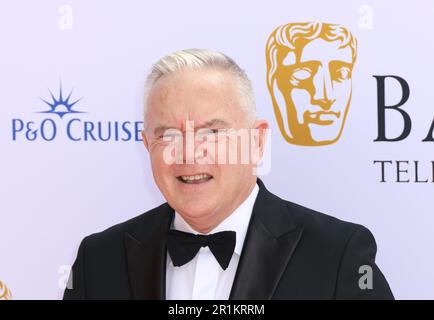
[53, 193]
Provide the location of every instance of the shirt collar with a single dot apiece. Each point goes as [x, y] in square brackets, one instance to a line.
[237, 221]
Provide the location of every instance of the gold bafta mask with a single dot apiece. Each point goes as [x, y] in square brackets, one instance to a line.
[309, 77]
[5, 293]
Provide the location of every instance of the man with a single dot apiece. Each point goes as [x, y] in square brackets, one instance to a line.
[221, 234]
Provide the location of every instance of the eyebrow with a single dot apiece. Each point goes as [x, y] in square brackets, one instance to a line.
[211, 123]
[161, 129]
[319, 61]
[349, 65]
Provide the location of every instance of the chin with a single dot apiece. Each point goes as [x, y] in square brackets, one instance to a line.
[197, 210]
[325, 134]
[191, 205]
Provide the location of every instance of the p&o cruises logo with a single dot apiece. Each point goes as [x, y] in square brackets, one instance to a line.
[74, 128]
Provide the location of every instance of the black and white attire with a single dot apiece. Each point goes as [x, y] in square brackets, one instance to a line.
[280, 251]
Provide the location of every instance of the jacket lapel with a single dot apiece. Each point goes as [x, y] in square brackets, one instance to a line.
[270, 242]
[145, 249]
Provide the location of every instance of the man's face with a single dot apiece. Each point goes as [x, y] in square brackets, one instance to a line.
[209, 100]
[315, 84]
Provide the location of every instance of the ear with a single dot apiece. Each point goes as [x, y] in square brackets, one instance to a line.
[145, 140]
[262, 126]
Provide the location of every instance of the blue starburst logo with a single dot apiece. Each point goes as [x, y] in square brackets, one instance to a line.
[59, 105]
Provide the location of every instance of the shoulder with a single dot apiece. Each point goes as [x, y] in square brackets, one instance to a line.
[114, 235]
[324, 228]
[327, 240]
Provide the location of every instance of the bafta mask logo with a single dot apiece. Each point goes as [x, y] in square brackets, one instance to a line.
[5, 293]
[309, 77]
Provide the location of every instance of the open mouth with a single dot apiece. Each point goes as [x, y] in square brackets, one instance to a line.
[194, 179]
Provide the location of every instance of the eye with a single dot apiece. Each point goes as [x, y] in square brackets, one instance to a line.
[302, 74]
[209, 133]
[170, 135]
[342, 74]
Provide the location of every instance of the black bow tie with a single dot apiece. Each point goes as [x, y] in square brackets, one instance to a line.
[184, 246]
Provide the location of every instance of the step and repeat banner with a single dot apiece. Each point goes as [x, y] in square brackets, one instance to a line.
[352, 120]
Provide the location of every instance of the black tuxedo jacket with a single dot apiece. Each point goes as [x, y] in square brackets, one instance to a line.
[290, 252]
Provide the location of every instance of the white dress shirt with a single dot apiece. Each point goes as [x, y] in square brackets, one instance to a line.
[203, 277]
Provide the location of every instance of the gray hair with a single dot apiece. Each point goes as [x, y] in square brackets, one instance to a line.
[201, 58]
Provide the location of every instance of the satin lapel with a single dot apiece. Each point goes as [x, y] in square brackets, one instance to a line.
[270, 242]
[145, 249]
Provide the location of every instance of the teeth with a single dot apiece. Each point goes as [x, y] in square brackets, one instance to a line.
[195, 177]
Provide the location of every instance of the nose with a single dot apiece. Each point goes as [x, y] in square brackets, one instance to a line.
[194, 150]
[323, 86]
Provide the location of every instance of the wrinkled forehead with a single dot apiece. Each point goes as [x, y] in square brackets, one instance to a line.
[319, 50]
[194, 95]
